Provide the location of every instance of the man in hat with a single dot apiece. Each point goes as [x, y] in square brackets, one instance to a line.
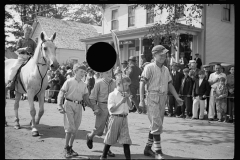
[124, 66]
[176, 82]
[206, 68]
[25, 49]
[159, 81]
[198, 61]
[133, 72]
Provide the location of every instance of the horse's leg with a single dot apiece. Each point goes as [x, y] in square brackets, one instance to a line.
[16, 106]
[30, 95]
[41, 106]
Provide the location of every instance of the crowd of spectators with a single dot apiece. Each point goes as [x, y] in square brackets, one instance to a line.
[206, 94]
[200, 88]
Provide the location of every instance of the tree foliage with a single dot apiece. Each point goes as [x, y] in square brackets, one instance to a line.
[169, 29]
[84, 13]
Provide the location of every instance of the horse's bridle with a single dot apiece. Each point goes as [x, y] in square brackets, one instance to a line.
[42, 77]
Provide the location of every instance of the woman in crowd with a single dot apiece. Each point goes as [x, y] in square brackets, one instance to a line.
[230, 85]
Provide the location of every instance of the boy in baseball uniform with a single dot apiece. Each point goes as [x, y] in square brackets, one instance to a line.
[99, 100]
[118, 107]
[74, 90]
[158, 80]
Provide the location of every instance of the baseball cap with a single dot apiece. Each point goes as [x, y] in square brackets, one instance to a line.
[159, 48]
[77, 66]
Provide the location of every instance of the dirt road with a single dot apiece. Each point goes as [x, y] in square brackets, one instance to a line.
[181, 139]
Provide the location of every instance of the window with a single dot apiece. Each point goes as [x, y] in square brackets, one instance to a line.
[150, 15]
[179, 12]
[226, 12]
[114, 19]
[131, 16]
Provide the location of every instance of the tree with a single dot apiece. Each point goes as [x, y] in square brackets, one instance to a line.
[85, 13]
[169, 29]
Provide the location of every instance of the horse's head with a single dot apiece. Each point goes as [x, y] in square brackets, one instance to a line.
[49, 50]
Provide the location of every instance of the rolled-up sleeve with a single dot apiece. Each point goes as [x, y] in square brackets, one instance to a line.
[65, 86]
[111, 101]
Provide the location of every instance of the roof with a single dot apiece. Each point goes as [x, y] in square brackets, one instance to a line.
[141, 30]
[69, 33]
[98, 28]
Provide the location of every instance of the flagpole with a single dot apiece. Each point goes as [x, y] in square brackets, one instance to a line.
[116, 44]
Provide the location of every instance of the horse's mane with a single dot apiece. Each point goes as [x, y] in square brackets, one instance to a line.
[37, 52]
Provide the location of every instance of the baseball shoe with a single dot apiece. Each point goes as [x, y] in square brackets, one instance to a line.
[89, 142]
[148, 152]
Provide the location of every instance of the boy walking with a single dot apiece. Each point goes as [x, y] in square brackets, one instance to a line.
[186, 91]
[99, 100]
[158, 81]
[199, 94]
[74, 90]
[118, 107]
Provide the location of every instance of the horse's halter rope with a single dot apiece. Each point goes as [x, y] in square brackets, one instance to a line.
[42, 77]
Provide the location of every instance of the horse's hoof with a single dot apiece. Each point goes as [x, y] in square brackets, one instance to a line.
[17, 126]
[35, 133]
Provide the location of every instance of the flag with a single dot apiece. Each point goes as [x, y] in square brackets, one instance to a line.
[116, 44]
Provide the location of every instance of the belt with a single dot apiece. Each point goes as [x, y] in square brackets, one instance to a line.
[120, 115]
[78, 102]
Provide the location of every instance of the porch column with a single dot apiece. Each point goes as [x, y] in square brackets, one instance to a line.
[177, 53]
[140, 52]
[86, 49]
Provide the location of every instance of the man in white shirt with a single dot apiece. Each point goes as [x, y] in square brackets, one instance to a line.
[213, 81]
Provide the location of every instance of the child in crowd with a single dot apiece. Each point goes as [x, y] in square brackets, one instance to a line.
[118, 107]
[186, 92]
[220, 93]
[74, 90]
[200, 92]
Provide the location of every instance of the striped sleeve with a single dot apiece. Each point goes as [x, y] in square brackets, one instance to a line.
[146, 74]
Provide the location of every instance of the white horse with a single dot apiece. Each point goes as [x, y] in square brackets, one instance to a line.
[34, 79]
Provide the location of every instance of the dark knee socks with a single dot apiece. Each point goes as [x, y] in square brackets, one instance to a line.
[157, 143]
[127, 152]
[105, 150]
[150, 140]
